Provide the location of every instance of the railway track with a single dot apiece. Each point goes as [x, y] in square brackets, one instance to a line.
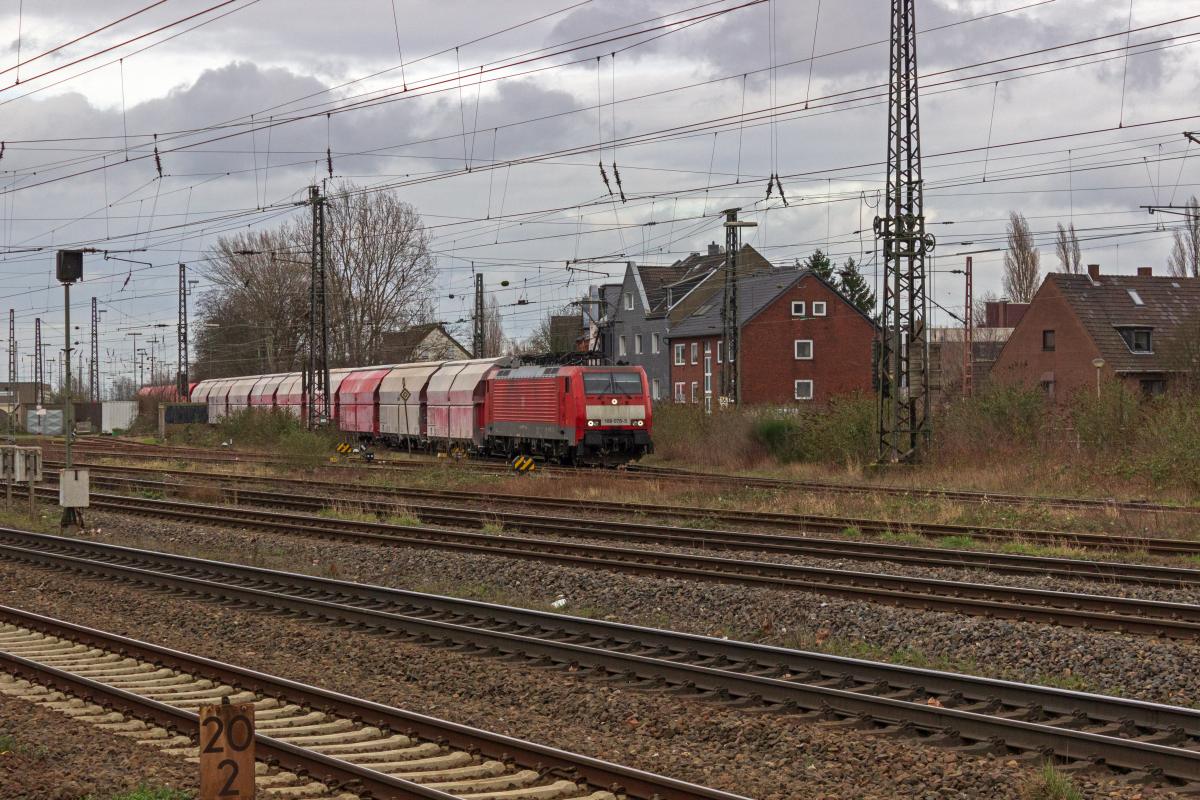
[1147, 740]
[814, 523]
[1127, 615]
[318, 735]
[727, 540]
[636, 471]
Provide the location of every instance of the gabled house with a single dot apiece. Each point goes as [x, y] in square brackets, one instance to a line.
[1140, 329]
[800, 340]
[646, 307]
[428, 342]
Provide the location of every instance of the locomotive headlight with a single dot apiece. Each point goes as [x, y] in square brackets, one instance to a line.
[591, 423]
[640, 423]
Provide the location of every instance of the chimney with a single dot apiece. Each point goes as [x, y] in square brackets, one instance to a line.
[714, 249]
[1145, 272]
[1094, 271]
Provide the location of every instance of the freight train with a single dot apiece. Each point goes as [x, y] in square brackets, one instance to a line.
[491, 406]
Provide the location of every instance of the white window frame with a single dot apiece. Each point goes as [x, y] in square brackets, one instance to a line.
[655, 343]
[679, 395]
[695, 391]
[695, 352]
[637, 344]
[655, 390]
[629, 301]
[796, 349]
[819, 308]
[622, 347]
[679, 349]
[797, 392]
[720, 349]
[798, 304]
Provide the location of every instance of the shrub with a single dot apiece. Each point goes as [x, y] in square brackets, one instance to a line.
[843, 431]
[1107, 421]
[721, 439]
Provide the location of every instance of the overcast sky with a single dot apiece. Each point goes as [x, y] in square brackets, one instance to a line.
[237, 94]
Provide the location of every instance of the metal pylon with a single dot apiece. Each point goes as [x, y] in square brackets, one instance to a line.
[903, 364]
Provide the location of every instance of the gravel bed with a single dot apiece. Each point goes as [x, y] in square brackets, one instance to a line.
[53, 757]
[1110, 663]
[760, 756]
[1097, 586]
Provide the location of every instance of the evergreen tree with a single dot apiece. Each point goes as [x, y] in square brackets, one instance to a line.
[855, 287]
[819, 263]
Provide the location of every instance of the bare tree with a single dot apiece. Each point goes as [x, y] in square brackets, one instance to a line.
[255, 318]
[1066, 246]
[554, 334]
[380, 277]
[1184, 261]
[1022, 270]
[382, 272]
[493, 328]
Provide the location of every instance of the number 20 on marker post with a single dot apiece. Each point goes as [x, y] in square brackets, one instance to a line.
[227, 752]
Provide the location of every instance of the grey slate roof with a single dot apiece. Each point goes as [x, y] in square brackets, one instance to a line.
[754, 293]
[1170, 306]
[656, 279]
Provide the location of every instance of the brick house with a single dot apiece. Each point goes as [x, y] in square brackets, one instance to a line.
[1144, 328]
[801, 342]
[652, 298]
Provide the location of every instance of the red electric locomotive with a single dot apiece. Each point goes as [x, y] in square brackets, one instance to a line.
[571, 414]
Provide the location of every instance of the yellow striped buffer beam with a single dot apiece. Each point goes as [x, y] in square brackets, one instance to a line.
[524, 464]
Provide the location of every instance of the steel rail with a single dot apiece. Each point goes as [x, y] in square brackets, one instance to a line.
[700, 537]
[266, 747]
[637, 471]
[1128, 734]
[597, 772]
[1130, 615]
[813, 522]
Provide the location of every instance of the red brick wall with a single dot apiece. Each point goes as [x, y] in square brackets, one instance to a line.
[841, 362]
[690, 372]
[1023, 361]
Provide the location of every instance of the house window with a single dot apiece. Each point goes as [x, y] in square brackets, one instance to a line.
[655, 391]
[797, 308]
[679, 392]
[655, 343]
[818, 308]
[1048, 341]
[720, 348]
[804, 349]
[637, 344]
[629, 301]
[1135, 297]
[804, 390]
[695, 352]
[679, 355]
[1153, 387]
[1138, 340]
[621, 345]
[1048, 388]
[695, 391]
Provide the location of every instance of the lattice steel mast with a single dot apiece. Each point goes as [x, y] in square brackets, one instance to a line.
[181, 338]
[94, 362]
[903, 353]
[318, 325]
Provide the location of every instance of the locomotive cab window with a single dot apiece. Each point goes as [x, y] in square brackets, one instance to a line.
[626, 383]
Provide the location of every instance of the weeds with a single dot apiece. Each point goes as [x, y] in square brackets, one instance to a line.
[961, 542]
[1050, 784]
[148, 793]
[8, 743]
[493, 528]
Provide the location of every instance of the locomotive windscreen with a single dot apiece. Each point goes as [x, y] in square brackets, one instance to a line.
[628, 383]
